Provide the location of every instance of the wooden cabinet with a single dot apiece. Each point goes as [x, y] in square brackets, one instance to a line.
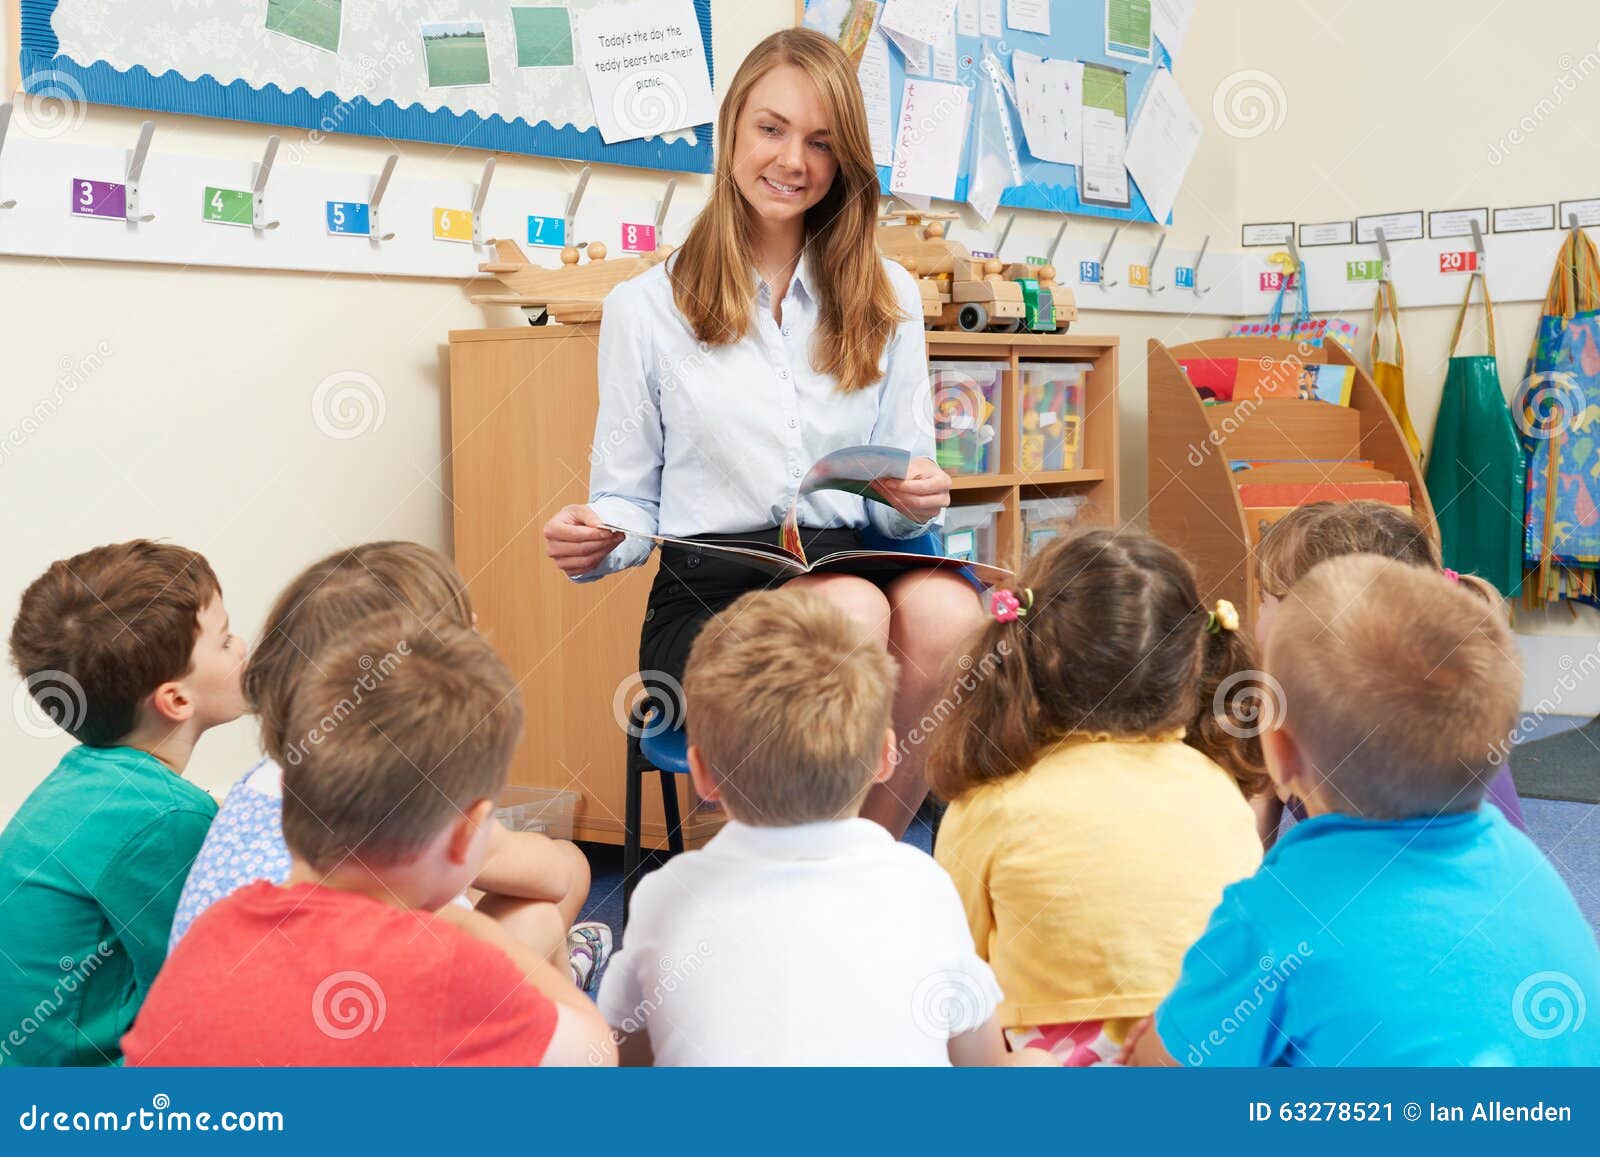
[522, 413]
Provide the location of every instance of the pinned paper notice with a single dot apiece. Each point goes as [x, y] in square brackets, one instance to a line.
[925, 21]
[646, 68]
[931, 138]
[1162, 143]
[1050, 99]
[873, 76]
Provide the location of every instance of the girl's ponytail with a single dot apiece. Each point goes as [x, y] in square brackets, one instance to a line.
[1237, 703]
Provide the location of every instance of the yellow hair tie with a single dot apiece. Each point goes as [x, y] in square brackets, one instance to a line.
[1224, 618]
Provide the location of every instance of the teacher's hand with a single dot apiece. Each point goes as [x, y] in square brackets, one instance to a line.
[921, 494]
[575, 540]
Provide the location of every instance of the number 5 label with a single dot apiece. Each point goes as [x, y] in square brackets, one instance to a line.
[349, 218]
[452, 225]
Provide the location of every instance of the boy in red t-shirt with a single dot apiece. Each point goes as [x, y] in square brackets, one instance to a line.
[361, 958]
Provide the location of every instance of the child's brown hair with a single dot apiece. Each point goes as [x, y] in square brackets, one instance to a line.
[320, 605]
[1319, 531]
[789, 703]
[1116, 642]
[1396, 723]
[402, 726]
[98, 632]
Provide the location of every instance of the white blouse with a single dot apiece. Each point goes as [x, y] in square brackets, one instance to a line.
[693, 439]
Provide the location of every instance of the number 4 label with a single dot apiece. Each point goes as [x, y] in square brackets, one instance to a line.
[229, 206]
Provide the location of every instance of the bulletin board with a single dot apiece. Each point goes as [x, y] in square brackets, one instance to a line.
[1077, 32]
[351, 66]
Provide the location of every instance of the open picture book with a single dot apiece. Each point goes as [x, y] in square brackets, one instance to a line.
[856, 469]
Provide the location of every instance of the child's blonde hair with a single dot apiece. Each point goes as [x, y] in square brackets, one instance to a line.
[402, 726]
[1319, 531]
[322, 602]
[1116, 641]
[1399, 686]
[788, 702]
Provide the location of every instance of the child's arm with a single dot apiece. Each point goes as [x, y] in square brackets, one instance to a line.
[1144, 1050]
[985, 1046]
[582, 1036]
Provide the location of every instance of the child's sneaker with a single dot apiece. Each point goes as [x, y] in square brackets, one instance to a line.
[588, 947]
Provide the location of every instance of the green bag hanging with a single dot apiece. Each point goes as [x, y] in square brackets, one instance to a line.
[1476, 465]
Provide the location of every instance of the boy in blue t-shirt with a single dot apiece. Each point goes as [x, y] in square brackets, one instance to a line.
[1400, 923]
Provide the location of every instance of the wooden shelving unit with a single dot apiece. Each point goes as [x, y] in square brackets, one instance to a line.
[1010, 485]
[1194, 497]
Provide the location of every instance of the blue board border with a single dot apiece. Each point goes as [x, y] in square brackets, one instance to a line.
[45, 70]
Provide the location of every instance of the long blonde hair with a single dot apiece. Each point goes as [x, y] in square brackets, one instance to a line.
[711, 281]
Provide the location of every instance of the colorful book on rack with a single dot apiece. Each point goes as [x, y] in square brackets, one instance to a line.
[857, 470]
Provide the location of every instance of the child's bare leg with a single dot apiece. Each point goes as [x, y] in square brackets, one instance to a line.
[536, 923]
[529, 866]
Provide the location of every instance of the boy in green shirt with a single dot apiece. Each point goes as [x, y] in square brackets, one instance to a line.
[127, 648]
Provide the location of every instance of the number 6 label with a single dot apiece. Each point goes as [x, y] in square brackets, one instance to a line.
[452, 225]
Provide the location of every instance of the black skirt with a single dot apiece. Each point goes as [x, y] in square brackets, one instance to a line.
[691, 586]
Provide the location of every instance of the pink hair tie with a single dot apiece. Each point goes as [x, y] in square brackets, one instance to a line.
[1006, 607]
[1453, 576]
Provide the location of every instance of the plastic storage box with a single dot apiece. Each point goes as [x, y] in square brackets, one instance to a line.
[1051, 421]
[966, 415]
[969, 531]
[1044, 519]
[545, 810]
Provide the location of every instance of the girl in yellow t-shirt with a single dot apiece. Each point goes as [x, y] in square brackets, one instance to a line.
[1098, 762]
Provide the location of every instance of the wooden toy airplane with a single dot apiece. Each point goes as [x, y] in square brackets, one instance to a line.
[568, 295]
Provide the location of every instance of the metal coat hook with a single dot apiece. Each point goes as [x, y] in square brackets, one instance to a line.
[1105, 260]
[1477, 242]
[136, 159]
[258, 188]
[1383, 253]
[661, 211]
[1011, 219]
[5, 123]
[1294, 254]
[1573, 223]
[478, 201]
[1055, 245]
[1199, 257]
[375, 233]
[1152, 289]
[569, 216]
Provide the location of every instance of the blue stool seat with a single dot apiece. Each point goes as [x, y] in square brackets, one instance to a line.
[667, 750]
[931, 543]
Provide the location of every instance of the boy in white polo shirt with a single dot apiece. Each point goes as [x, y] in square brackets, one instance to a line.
[800, 934]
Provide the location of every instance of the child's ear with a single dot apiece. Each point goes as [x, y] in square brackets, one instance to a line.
[465, 831]
[1286, 762]
[171, 702]
[886, 759]
[700, 775]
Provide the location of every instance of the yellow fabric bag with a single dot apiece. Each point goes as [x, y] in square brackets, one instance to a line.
[1390, 377]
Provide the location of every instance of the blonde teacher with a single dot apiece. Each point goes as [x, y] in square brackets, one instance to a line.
[776, 334]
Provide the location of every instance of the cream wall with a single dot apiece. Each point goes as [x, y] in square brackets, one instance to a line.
[179, 400]
[1389, 107]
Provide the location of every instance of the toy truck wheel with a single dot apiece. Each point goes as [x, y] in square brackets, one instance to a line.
[973, 318]
[1063, 327]
[1007, 325]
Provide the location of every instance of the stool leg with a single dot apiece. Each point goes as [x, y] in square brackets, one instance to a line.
[632, 820]
[669, 810]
